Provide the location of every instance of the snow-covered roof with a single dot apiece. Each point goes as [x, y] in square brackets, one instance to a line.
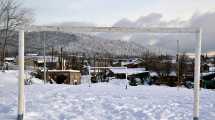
[212, 69]
[173, 61]
[132, 61]
[172, 73]
[94, 70]
[31, 54]
[9, 58]
[63, 70]
[154, 74]
[207, 73]
[210, 64]
[129, 71]
[40, 59]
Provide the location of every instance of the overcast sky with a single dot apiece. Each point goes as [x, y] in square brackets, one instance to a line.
[107, 12]
[133, 13]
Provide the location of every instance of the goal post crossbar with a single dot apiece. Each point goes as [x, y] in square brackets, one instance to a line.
[112, 29]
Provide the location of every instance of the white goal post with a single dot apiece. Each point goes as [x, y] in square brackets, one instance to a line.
[196, 31]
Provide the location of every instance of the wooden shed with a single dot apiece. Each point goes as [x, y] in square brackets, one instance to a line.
[72, 77]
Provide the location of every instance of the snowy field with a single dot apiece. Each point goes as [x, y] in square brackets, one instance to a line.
[106, 101]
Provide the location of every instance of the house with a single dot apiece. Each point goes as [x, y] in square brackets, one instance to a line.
[120, 73]
[10, 59]
[211, 69]
[51, 61]
[208, 80]
[100, 62]
[72, 77]
[162, 78]
[208, 75]
[38, 61]
[131, 63]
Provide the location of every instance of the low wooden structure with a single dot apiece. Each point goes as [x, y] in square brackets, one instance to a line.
[63, 76]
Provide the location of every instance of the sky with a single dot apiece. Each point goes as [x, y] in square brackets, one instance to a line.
[107, 12]
[133, 13]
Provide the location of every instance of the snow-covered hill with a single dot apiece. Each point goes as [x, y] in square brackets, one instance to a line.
[105, 101]
[76, 42]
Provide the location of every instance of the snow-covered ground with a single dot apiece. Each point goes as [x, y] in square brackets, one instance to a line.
[103, 101]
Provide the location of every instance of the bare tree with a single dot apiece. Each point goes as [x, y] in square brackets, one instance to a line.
[185, 64]
[12, 15]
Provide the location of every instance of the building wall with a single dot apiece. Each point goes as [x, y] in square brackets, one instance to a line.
[73, 78]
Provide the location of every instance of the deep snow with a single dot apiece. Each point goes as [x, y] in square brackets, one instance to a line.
[103, 101]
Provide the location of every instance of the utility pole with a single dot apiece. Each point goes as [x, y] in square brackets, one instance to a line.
[52, 55]
[178, 63]
[94, 62]
[61, 58]
[89, 68]
[21, 104]
[126, 77]
[44, 55]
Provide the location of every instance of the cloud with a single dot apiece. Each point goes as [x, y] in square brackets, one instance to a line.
[206, 22]
[72, 24]
[168, 41]
[165, 42]
[107, 12]
[124, 23]
[152, 18]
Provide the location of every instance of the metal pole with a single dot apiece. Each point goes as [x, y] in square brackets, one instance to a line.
[61, 58]
[126, 77]
[52, 55]
[178, 64]
[89, 68]
[21, 76]
[44, 56]
[197, 76]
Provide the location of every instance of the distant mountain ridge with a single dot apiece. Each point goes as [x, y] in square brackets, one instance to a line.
[76, 43]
